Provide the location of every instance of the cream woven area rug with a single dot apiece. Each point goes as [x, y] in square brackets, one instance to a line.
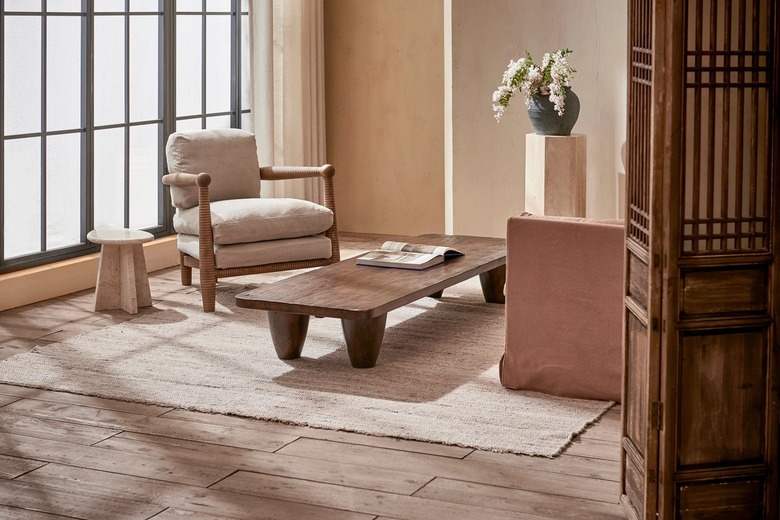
[436, 378]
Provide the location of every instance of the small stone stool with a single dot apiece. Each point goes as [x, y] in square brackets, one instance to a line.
[122, 282]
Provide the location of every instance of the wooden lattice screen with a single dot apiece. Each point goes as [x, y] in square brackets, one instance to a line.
[639, 443]
[701, 383]
[640, 94]
[726, 129]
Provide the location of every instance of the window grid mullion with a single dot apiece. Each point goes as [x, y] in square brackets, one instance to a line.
[235, 61]
[88, 118]
[203, 67]
[167, 99]
[44, 59]
[127, 116]
[2, 129]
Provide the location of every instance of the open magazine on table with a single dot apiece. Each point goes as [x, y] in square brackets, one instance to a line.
[403, 255]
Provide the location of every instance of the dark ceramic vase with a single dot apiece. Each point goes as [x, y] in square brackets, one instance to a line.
[546, 120]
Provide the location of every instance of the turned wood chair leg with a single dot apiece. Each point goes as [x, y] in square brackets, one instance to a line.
[208, 289]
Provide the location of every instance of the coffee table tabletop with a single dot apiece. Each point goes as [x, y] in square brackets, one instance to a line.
[361, 296]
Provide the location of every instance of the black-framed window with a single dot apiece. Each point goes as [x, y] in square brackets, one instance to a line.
[89, 91]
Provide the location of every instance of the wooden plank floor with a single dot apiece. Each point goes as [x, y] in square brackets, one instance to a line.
[69, 456]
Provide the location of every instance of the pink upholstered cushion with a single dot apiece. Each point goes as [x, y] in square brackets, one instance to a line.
[564, 307]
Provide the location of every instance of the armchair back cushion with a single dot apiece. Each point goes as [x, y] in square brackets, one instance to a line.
[228, 155]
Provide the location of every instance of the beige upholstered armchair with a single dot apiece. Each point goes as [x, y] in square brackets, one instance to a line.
[225, 228]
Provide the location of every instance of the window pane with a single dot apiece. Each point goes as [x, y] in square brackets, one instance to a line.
[144, 5]
[246, 122]
[22, 197]
[217, 64]
[244, 6]
[109, 70]
[144, 52]
[63, 190]
[218, 5]
[110, 177]
[64, 6]
[188, 65]
[102, 6]
[218, 122]
[63, 73]
[145, 182]
[189, 5]
[187, 125]
[23, 5]
[22, 84]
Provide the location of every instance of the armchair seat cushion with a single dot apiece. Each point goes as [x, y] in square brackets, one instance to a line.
[239, 221]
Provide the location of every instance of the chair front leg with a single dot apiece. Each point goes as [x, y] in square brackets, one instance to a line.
[329, 200]
[206, 262]
[208, 278]
[208, 288]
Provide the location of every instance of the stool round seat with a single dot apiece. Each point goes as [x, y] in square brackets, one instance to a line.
[122, 282]
[119, 236]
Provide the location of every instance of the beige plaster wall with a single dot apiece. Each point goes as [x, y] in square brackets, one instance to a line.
[409, 121]
[384, 67]
[487, 158]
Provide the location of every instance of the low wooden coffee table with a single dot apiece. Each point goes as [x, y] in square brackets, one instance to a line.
[361, 296]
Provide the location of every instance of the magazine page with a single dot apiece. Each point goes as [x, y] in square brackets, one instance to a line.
[421, 248]
[399, 259]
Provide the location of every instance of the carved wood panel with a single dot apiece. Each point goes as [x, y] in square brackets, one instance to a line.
[700, 420]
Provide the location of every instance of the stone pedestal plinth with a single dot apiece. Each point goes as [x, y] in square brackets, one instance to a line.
[122, 282]
[555, 174]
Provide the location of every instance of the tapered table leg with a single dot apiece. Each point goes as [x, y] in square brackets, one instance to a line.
[364, 339]
[493, 284]
[288, 332]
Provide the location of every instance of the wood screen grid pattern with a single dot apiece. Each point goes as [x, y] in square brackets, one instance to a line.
[728, 72]
[640, 111]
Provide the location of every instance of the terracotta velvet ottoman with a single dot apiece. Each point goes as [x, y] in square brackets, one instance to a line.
[564, 306]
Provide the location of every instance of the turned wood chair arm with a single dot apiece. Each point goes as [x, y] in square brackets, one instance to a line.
[326, 171]
[280, 173]
[182, 179]
[206, 234]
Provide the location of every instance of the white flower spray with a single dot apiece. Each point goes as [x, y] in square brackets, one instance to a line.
[551, 79]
